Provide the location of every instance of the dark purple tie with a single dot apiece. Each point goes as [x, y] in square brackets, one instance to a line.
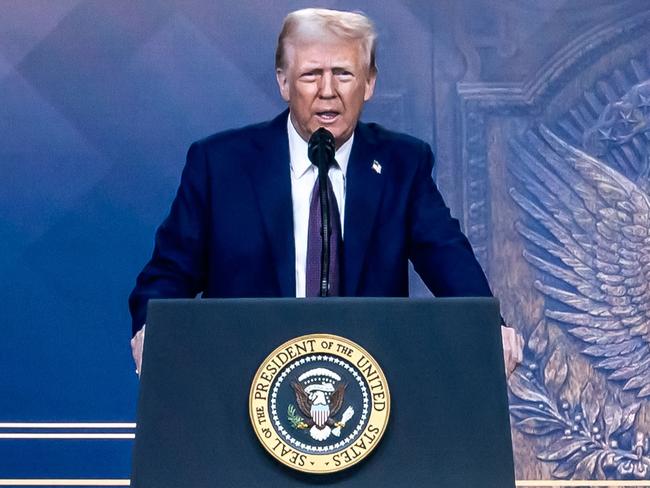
[314, 244]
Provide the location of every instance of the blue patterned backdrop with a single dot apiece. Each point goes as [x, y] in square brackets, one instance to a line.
[99, 101]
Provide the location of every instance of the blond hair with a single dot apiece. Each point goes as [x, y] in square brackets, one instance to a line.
[310, 23]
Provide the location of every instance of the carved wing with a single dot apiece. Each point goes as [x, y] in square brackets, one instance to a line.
[594, 249]
[304, 403]
[336, 400]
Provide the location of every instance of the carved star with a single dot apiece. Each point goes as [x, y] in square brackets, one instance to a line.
[629, 117]
[606, 135]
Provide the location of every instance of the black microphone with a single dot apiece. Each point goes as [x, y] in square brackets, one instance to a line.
[320, 151]
[321, 147]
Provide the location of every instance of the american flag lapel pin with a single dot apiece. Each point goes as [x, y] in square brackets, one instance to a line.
[376, 167]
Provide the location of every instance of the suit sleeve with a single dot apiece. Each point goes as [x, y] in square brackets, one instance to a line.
[439, 251]
[178, 265]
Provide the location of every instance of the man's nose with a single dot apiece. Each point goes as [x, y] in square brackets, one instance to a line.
[327, 88]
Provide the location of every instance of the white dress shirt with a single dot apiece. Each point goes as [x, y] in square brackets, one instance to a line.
[303, 178]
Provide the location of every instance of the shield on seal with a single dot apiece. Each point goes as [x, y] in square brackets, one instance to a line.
[320, 414]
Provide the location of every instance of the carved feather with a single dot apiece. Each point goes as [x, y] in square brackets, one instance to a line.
[592, 240]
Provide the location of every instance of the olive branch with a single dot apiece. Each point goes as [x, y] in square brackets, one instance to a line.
[590, 436]
[293, 417]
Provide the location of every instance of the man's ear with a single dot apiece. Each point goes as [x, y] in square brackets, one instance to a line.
[283, 83]
[370, 85]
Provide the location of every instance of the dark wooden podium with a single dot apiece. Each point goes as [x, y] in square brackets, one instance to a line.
[449, 424]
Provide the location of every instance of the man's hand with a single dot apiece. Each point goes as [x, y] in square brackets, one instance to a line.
[513, 348]
[136, 349]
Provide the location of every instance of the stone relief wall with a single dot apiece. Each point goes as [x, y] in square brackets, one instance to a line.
[554, 168]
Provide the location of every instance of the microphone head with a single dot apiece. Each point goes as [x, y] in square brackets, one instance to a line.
[321, 142]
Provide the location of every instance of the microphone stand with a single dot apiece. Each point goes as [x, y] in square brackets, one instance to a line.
[321, 153]
[326, 228]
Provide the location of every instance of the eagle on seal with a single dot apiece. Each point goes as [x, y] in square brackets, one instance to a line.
[318, 410]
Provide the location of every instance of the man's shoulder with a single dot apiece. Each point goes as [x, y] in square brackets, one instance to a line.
[243, 137]
[383, 137]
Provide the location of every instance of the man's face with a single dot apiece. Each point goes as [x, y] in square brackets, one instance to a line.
[326, 84]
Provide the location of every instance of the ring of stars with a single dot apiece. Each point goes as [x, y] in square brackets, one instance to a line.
[331, 447]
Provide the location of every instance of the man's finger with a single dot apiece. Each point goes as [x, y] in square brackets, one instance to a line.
[512, 348]
[507, 349]
[137, 345]
[520, 348]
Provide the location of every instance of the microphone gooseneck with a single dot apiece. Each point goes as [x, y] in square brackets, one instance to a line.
[320, 150]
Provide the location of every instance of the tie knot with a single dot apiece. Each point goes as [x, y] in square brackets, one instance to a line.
[331, 164]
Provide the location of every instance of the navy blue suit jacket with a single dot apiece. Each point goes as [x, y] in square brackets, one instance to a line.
[229, 232]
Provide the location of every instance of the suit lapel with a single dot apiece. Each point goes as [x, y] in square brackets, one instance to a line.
[364, 187]
[271, 179]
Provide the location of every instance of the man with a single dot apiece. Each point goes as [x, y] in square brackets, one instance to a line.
[240, 225]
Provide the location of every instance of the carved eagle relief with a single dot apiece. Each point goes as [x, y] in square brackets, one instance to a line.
[593, 246]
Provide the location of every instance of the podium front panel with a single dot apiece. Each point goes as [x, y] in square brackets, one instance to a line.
[443, 360]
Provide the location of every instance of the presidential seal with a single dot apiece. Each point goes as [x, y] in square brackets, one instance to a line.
[319, 403]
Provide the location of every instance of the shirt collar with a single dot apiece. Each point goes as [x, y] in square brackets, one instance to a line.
[300, 162]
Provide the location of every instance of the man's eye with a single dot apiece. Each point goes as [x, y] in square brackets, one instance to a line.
[344, 75]
[308, 76]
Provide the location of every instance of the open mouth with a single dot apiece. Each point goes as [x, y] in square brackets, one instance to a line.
[327, 116]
